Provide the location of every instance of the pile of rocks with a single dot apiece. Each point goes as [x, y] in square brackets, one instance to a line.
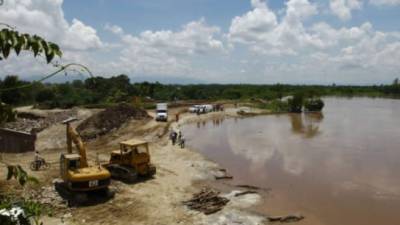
[29, 122]
[47, 195]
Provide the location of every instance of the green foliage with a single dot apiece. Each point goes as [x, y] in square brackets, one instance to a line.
[96, 91]
[20, 175]
[7, 114]
[296, 103]
[231, 94]
[277, 105]
[13, 96]
[45, 95]
[314, 105]
[117, 95]
[32, 211]
[11, 40]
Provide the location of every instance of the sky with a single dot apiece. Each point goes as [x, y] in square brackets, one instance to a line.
[214, 41]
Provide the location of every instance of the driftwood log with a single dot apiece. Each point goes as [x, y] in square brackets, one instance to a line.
[223, 177]
[206, 201]
[245, 193]
[286, 219]
[248, 186]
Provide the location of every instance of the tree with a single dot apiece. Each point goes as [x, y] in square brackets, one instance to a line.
[232, 94]
[44, 95]
[7, 114]
[396, 82]
[296, 103]
[13, 96]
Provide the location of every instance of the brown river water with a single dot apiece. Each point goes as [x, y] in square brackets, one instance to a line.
[340, 167]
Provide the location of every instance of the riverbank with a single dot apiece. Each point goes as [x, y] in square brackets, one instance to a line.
[180, 174]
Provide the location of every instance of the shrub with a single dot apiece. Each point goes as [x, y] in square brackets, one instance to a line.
[314, 105]
[278, 106]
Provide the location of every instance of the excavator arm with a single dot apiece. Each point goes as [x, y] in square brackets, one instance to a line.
[73, 136]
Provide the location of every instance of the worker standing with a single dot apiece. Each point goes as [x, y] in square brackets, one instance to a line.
[182, 141]
[174, 136]
[179, 135]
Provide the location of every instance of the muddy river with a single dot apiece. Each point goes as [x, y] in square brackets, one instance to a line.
[339, 167]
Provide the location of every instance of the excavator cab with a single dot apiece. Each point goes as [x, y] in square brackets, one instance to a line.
[69, 162]
[131, 160]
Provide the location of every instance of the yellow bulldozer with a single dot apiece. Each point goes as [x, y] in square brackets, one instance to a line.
[79, 178]
[131, 161]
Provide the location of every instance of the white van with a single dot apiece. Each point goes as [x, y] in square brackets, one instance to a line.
[162, 112]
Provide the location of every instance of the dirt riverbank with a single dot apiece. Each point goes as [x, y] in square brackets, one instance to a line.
[180, 174]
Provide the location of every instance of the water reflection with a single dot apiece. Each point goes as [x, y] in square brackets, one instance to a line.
[342, 163]
[306, 124]
[216, 121]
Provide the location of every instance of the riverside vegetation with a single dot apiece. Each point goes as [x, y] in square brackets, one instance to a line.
[100, 91]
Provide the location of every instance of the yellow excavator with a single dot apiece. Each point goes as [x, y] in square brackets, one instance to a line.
[79, 178]
[130, 161]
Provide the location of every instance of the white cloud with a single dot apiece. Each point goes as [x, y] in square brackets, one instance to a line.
[253, 25]
[343, 8]
[385, 2]
[287, 45]
[167, 52]
[114, 29]
[46, 18]
[258, 3]
[361, 47]
[292, 50]
[300, 9]
[260, 28]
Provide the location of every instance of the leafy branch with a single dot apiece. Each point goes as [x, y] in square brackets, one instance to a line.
[18, 173]
[16, 210]
[11, 39]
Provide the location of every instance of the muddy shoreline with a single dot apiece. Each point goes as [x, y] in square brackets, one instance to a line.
[255, 205]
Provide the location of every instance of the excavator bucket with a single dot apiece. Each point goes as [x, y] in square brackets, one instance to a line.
[69, 120]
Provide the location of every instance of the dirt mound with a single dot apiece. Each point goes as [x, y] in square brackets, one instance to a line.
[112, 118]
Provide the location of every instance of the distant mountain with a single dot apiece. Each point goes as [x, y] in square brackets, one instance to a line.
[167, 79]
[134, 79]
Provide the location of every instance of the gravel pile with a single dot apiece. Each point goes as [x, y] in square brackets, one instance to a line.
[47, 195]
[27, 122]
